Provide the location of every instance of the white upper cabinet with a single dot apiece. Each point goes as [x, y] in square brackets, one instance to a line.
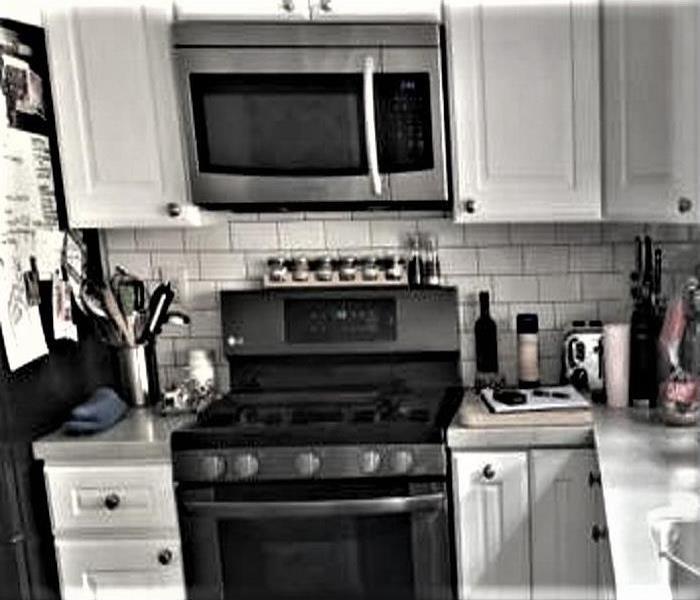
[650, 96]
[118, 126]
[525, 110]
[377, 10]
[351, 11]
[243, 10]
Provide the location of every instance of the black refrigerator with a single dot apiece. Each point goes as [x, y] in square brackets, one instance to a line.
[36, 398]
[34, 401]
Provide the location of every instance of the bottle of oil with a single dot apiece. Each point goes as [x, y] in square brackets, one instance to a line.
[485, 334]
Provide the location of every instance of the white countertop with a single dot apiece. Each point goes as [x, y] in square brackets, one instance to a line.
[141, 435]
[646, 469]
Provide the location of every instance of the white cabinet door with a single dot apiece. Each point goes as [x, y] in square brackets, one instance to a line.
[492, 525]
[563, 510]
[125, 569]
[606, 575]
[525, 110]
[243, 10]
[118, 127]
[651, 116]
[384, 11]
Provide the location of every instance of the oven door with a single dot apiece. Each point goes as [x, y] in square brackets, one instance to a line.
[308, 541]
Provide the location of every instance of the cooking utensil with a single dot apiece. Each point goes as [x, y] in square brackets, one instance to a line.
[161, 299]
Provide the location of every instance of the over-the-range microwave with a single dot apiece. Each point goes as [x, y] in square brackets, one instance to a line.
[313, 117]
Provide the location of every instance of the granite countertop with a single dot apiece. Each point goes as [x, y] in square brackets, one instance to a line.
[648, 471]
[141, 435]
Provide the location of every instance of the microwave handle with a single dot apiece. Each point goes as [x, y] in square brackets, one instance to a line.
[370, 127]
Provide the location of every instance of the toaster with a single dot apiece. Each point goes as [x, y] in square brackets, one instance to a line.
[583, 356]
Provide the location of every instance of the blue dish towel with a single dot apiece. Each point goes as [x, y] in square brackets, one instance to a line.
[100, 412]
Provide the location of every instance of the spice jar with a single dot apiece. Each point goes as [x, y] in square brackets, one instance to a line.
[528, 350]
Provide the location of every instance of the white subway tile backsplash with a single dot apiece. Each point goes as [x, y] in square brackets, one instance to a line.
[603, 286]
[590, 259]
[563, 272]
[222, 266]
[486, 235]
[254, 236]
[532, 233]
[508, 288]
[160, 239]
[546, 259]
[458, 261]
[447, 233]
[559, 288]
[208, 238]
[347, 234]
[176, 265]
[392, 234]
[500, 260]
[120, 239]
[302, 235]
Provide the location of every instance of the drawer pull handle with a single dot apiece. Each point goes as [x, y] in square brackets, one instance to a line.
[165, 557]
[112, 501]
[488, 472]
[599, 533]
[593, 479]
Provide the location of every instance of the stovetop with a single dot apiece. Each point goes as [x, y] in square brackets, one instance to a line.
[324, 416]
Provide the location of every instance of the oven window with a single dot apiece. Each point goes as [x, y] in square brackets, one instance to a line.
[365, 558]
[279, 124]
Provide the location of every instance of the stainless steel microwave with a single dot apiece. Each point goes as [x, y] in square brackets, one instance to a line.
[312, 117]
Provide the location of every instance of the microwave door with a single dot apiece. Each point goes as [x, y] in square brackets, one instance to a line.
[420, 172]
[280, 125]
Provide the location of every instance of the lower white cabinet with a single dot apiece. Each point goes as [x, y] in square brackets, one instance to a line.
[124, 569]
[530, 525]
[115, 529]
[492, 537]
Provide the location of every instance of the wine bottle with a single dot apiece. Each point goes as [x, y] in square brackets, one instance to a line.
[485, 335]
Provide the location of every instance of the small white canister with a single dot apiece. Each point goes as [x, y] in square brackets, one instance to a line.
[201, 368]
[528, 350]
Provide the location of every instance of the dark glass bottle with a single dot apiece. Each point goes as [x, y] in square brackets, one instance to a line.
[486, 342]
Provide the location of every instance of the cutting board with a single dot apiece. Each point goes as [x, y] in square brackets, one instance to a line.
[474, 413]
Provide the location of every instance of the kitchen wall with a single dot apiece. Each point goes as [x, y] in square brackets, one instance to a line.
[561, 272]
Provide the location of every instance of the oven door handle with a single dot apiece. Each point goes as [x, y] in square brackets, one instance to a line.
[324, 508]
[371, 127]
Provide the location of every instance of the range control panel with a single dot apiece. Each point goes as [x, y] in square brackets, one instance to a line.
[339, 320]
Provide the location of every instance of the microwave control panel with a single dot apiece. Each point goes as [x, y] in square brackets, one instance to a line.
[404, 122]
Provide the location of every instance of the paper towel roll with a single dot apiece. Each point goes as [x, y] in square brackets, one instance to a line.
[616, 363]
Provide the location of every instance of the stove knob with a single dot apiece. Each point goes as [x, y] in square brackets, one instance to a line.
[246, 466]
[307, 464]
[402, 461]
[214, 467]
[370, 461]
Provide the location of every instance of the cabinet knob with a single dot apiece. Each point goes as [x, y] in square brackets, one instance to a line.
[174, 209]
[684, 205]
[593, 479]
[488, 472]
[165, 556]
[112, 501]
[470, 206]
[288, 5]
[326, 5]
[599, 533]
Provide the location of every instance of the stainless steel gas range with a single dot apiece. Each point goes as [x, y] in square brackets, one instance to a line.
[322, 474]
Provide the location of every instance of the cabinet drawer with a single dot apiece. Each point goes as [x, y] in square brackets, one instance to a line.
[119, 569]
[94, 497]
